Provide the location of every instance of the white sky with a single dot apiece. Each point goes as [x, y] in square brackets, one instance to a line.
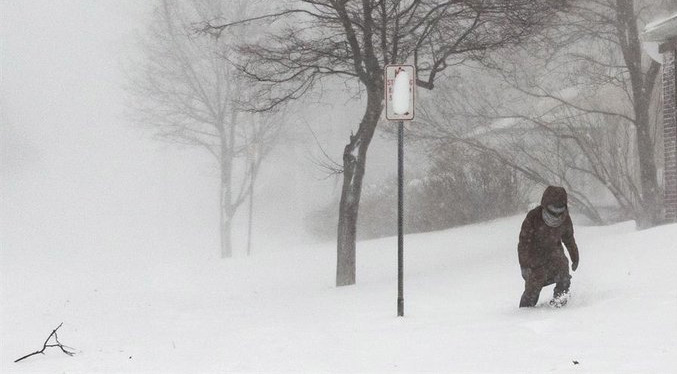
[72, 167]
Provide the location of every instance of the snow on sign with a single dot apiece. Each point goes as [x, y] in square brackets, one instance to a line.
[399, 86]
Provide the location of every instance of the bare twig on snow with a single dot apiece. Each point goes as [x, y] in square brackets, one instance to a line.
[47, 345]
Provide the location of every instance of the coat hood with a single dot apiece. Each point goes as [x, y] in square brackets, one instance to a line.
[556, 196]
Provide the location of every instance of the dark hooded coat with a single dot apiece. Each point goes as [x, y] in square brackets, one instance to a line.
[541, 255]
[540, 244]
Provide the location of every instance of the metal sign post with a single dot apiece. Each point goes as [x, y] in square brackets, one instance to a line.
[399, 87]
[400, 220]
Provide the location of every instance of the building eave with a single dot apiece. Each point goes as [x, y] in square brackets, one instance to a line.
[661, 31]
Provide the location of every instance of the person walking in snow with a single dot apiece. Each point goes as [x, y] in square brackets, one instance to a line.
[541, 256]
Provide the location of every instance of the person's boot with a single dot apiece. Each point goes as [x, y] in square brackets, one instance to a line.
[561, 292]
[560, 300]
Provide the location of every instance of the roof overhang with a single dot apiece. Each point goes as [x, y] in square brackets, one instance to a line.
[660, 37]
[662, 30]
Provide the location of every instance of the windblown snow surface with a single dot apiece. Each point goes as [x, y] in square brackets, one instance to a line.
[131, 311]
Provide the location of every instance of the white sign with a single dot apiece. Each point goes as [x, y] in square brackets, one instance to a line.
[400, 81]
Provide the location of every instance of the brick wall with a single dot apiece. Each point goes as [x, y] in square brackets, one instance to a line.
[670, 134]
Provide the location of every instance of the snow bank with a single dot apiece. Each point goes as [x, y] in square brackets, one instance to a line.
[130, 312]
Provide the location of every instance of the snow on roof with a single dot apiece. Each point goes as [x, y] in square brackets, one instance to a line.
[661, 30]
[492, 127]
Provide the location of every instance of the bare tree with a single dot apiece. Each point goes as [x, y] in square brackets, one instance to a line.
[260, 135]
[587, 88]
[314, 39]
[188, 94]
[544, 152]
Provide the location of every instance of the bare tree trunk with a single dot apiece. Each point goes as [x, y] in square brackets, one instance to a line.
[225, 226]
[651, 197]
[650, 191]
[642, 88]
[251, 208]
[226, 207]
[354, 162]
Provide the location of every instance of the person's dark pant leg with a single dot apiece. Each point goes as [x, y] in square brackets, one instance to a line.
[561, 277]
[534, 282]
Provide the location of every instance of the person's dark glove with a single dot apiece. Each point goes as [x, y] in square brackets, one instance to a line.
[574, 266]
[526, 272]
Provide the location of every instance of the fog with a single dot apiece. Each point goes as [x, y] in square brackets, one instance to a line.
[77, 175]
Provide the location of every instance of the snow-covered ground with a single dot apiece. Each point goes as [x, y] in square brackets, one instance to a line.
[135, 311]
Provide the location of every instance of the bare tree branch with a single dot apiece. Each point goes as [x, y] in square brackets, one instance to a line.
[64, 349]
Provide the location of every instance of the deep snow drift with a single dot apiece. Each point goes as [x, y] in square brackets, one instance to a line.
[133, 311]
